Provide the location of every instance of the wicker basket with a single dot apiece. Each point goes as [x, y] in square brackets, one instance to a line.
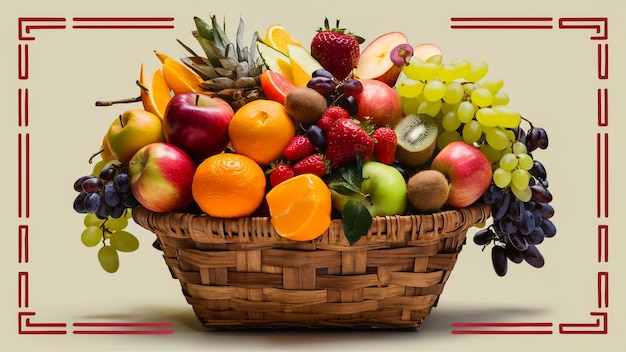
[241, 273]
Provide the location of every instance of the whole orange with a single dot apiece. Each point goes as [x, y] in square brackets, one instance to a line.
[261, 130]
[228, 185]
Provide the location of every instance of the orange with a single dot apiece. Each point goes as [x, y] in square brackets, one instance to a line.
[228, 185]
[278, 38]
[178, 77]
[275, 85]
[300, 207]
[261, 130]
[156, 97]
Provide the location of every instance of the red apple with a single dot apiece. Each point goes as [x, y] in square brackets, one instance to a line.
[374, 62]
[467, 170]
[380, 102]
[197, 123]
[160, 177]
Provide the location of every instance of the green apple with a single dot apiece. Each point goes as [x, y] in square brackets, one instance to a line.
[133, 130]
[383, 191]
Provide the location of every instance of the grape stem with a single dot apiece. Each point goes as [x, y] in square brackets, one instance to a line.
[528, 121]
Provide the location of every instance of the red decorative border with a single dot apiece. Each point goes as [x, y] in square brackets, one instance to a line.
[26, 28]
[600, 26]
[28, 24]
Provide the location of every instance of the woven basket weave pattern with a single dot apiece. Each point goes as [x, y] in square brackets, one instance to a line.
[241, 273]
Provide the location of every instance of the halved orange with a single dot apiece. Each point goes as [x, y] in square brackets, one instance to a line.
[157, 95]
[275, 85]
[300, 207]
[178, 77]
[278, 38]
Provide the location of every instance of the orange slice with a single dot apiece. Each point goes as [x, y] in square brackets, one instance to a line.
[278, 38]
[275, 85]
[178, 77]
[156, 97]
[300, 207]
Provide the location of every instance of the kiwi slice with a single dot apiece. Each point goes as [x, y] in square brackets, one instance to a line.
[417, 138]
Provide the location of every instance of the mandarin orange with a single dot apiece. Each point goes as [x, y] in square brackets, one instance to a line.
[261, 130]
[228, 185]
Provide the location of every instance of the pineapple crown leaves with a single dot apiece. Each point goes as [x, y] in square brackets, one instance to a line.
[338, 29]
[221, 53]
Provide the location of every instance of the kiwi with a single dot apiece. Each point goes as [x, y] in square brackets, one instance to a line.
[305, 105]
[428, 190]
[417, 138]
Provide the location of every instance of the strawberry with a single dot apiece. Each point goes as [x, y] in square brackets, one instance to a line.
[299, 147]
[312, 164]
[385, 142]
[345, 140]
[337, 51]
[280, 172]
[329, 117]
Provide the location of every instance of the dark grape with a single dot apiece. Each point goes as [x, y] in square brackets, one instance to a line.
[105, 210]
[78, 184]
[549, 230]
[519, 133]
[107, 174]
[536, 236]
[518, 242]
[117, 211]
[501, 206]
[122, 182]
[543, 139]
[533, 138]
[352, 87]
[507, 225]
[110, 195]
[546, 210]
[527, 223]
[498, 259]
[538, 170]
[484, 236]
[92, 184]
[322, 85]
[533, 257]
[349, 103]
[544, 183]
[322, 73]
[92, 202]
[515, 210]
[492, 194]
[79, 203]
[317, 137]
[540, 194]
[513, 254]
[404, 170]
[128, 200]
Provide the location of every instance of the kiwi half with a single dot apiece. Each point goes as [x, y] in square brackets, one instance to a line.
[417, 138]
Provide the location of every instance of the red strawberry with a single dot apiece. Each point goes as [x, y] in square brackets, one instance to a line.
[329, 117]
[337, 51]
[279, 173]
[312, 164]
[299, 147]
[385, 142]
[347, 139]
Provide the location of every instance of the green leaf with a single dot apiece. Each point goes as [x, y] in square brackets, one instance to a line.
[344, 187]
[356, 219]
[204, 29]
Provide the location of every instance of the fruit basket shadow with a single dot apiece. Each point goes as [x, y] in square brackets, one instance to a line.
[239, 273]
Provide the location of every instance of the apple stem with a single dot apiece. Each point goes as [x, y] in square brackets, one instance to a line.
[197, 98]
[95, 154]
[120, 101]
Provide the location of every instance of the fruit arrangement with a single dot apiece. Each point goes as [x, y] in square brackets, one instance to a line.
[304, 134]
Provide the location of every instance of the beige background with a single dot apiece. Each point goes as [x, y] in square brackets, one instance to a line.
[549, 74]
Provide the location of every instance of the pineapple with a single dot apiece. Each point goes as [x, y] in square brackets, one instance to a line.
[229, 69]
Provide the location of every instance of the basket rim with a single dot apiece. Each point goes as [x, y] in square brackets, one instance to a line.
[384, 232]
